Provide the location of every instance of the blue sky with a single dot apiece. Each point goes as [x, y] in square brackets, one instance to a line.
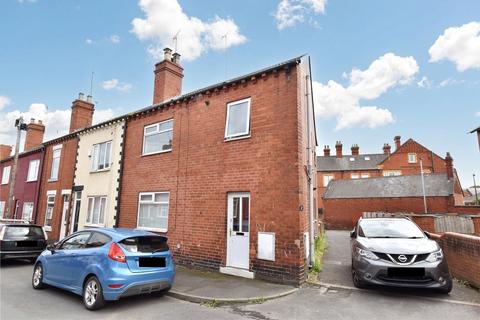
[49, 49]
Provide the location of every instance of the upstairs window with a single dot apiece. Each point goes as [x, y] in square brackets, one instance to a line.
[412, 158]
[57, 152]
[33, 170]
[6, 175]
[326, 179]
[238, 119]
[101, 155]
[158, 137]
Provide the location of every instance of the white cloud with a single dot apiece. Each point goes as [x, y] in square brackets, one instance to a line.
[4, 101]
[460, 45]
[477, 114]
[291, 12]
[117, 85]
[27, 1]
[165, 18]
[343, 103]
[89, 41]
[425, 82]
[450, 82]
[114, 38]
[57, 122]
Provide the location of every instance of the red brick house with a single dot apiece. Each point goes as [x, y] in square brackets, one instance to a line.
[27, 182]
[58, 171]
[405, 160]
[224, 170]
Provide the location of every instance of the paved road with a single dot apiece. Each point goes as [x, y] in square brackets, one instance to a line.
[19, 301]
[336, 270]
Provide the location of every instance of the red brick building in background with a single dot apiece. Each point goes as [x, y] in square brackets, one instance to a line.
[28, 175]
[58, 172]
[223, 171]
[405, 160]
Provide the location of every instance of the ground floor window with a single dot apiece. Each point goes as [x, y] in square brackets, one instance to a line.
[49, 211]
[96, 210]
[153, 211]
[27, 211]
[2, 208]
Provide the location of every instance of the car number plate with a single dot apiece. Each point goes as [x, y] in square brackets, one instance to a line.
[26, 243]
[406, 272]
[154, 262]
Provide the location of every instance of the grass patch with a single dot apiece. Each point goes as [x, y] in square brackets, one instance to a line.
[463, 283]
[211, 304]
[259, 300]
[320, 248]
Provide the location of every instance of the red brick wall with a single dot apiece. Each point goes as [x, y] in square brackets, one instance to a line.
[202, 168]
[64, 182]
[465, 209]
[343, 213]
[463, 255]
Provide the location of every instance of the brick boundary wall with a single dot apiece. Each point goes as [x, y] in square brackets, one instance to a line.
[464, 209]
[463, 255]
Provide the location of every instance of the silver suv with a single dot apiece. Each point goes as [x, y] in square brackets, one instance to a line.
[396, 252]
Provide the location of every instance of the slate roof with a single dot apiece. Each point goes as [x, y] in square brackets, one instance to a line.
[436, 185]
[332, 163]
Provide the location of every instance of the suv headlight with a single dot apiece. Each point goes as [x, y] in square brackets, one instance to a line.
[367, 254]
[435, 256]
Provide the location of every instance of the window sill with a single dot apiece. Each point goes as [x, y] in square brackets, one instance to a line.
[227, 139]
[94, 225]
[47, 228]
[101, 170]
[158, 152]
[153, 229]
[31, 181]
[53, 180]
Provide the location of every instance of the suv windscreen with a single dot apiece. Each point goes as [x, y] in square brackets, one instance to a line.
[23, 231]
[400, 228]
[145, 244]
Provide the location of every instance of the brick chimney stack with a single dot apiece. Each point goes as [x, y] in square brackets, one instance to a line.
[398, 142]
[82, 113]
[34, 137]
[338, 149]
[5, 151]
[355, 150]
[386, 148]
[449, 165]
[168, 77]
[326, 151]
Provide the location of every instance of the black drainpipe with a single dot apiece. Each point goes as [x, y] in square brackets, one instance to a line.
[37, 188]
[120, 172]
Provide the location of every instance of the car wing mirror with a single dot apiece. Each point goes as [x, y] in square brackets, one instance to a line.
[353, 233]
[52, 247]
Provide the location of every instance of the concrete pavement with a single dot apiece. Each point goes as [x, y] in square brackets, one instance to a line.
[336, 271]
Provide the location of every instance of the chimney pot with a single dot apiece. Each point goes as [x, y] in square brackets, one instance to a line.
[176, 58]
[398, 142]
[355, 150]
[89, 99]
[386, 148]
[326, 151]
[167, 54]
[449, 165]
[81, 96]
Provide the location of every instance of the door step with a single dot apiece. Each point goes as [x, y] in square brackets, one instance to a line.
[237, 272]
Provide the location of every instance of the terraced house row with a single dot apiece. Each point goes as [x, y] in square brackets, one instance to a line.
[227, 172]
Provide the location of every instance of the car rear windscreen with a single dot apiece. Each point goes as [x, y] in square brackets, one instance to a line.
[23, 231]
[145, 244]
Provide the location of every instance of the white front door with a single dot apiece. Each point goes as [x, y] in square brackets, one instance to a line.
[238, 230]
[63, 223]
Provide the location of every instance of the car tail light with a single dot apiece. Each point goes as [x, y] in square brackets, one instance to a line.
[116, 253]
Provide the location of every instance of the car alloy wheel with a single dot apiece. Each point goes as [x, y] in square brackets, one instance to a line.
[93, 294]
[37, 278]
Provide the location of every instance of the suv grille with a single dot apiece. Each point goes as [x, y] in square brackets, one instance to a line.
[418, 258]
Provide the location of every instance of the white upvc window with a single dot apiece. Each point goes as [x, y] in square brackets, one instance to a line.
[33, 167]
[365, 175]
[101, 156]
[392, 173]
[412, 158]
[96, 210]
[6, 175]
[49, 211]
[238, 119]
[57, 152]
[326, 179]
[355, 176]
[157, 138]
[153, 211]
[27, 211]
[2, 208]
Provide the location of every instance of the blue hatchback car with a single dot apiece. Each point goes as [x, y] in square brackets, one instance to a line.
[106, 264]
